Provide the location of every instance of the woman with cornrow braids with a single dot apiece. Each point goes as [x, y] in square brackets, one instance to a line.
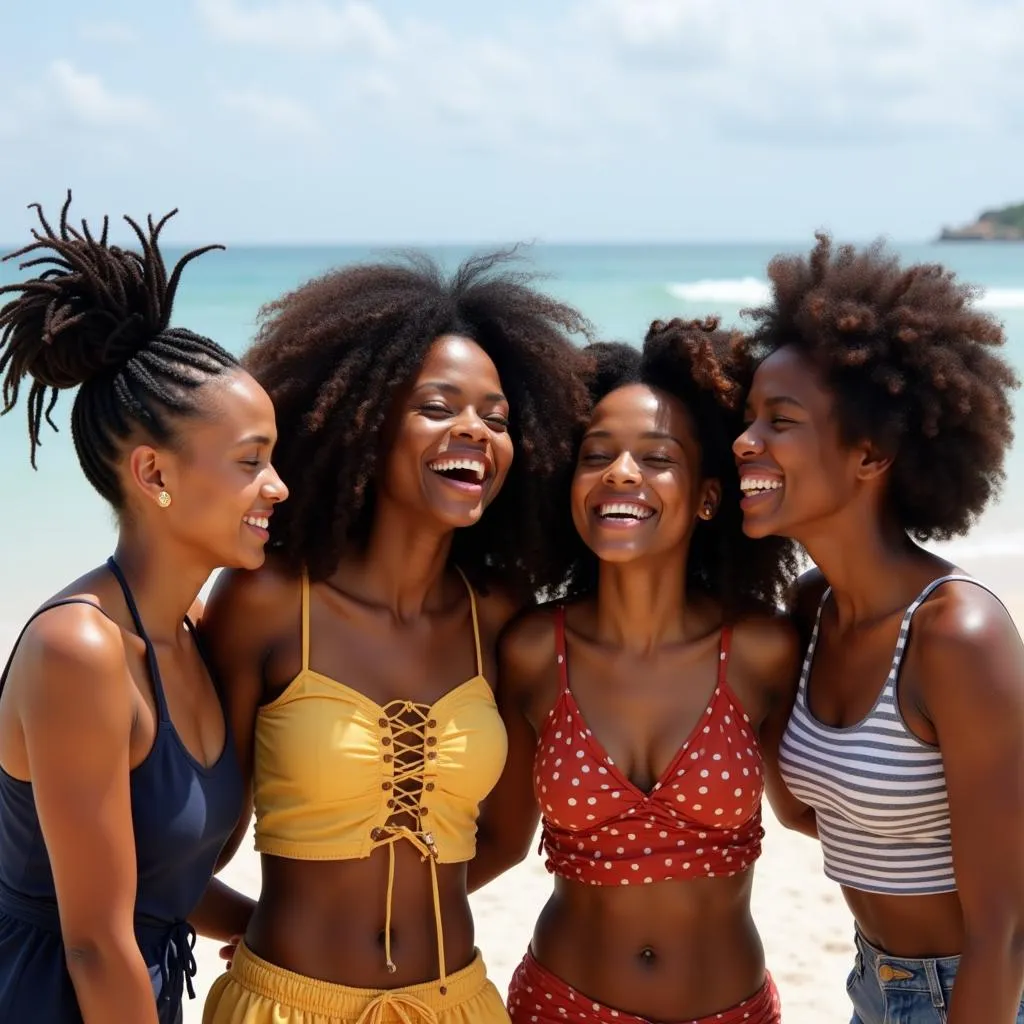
[118, 780]
[426, 424]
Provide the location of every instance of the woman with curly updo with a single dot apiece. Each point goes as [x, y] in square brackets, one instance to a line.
[119, 786]
[879, 419]
[635, 708]
[426, 423]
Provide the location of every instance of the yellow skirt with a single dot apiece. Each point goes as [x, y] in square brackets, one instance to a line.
[256, 992]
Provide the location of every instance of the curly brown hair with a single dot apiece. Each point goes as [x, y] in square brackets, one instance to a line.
[332, 355]
[910, 360]
[708, 370]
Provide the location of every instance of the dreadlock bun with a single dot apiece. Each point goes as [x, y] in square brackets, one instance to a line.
[94, 307]
[98, 316]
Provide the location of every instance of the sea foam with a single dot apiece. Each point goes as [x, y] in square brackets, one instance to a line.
[751, 291]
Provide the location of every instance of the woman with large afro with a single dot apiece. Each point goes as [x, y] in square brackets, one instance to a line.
[878, 420]
[426, 424]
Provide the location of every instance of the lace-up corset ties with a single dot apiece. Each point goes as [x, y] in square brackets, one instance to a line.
[337, 776]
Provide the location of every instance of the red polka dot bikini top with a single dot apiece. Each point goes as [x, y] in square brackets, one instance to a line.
[702, 819]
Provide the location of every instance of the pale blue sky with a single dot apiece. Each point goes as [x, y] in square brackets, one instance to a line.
[556, 120]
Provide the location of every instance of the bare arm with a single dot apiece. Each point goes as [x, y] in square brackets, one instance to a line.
[509, 816]
[804, 599]
[223, 913]
[76, 716]
[237, 653]
[790, 811]
[971, 662]
[767, 651]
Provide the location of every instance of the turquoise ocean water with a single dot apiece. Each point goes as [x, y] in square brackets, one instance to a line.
[54, 526]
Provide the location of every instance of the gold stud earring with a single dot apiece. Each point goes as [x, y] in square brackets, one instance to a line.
[163, 499]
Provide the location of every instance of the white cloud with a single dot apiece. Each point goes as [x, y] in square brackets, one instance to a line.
[276, 112]
[912, 65]
[613, 77]
[299, 25]
[86, 97]
[113, 33]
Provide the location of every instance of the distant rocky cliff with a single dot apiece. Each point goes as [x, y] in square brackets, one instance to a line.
[1002, 225]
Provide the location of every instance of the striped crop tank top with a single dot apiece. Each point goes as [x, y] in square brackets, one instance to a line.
[877, 790]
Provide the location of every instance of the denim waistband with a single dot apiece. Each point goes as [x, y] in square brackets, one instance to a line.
[933, 975]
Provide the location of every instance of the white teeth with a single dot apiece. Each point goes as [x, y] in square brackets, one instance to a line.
[625, 508]
[261, 521]
[752, 484]
[446, 465]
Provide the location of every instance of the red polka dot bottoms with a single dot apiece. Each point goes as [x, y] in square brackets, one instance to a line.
[536, 996]
[702, 819]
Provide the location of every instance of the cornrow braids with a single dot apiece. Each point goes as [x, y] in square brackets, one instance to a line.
[335, 352]
[708, 370]
[98, 318]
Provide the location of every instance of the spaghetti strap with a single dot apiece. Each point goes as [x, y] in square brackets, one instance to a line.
[563, 666]
[476, 624]
[723, 657]
[151, 662]
[305, 621]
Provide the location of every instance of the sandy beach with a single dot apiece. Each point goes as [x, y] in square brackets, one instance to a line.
[800, 913]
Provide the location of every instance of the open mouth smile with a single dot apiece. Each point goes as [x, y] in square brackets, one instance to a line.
[259, 523]
[623, 513]
[465, 473]
[756, 489]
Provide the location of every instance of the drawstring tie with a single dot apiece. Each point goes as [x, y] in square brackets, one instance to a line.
[409, 1009]
[424, 842]
[178, 967]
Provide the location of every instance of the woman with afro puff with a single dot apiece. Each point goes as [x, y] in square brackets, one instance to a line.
[636, 707]
[426, 423]
[879, 419]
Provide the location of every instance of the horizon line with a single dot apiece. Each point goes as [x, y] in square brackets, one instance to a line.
[536, 243]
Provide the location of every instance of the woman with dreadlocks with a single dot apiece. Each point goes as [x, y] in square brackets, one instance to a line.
[119, 784]
[879, 418]
[637, 709]
[425, 424]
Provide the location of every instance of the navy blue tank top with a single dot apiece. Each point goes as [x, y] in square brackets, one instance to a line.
[182, 813]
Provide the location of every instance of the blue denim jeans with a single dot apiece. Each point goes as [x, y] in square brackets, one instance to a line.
[892, 990]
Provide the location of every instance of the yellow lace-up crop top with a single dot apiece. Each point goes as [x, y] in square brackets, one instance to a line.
[333, 770]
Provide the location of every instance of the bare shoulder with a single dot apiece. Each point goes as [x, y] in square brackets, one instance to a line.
[964, 627]
[497, 609]
[766, 650]
[254, 600]
[527, 650]
[963, 612]
[72, 653]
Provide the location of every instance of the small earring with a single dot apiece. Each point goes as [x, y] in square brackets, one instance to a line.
[163, 499]
[707, 511]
